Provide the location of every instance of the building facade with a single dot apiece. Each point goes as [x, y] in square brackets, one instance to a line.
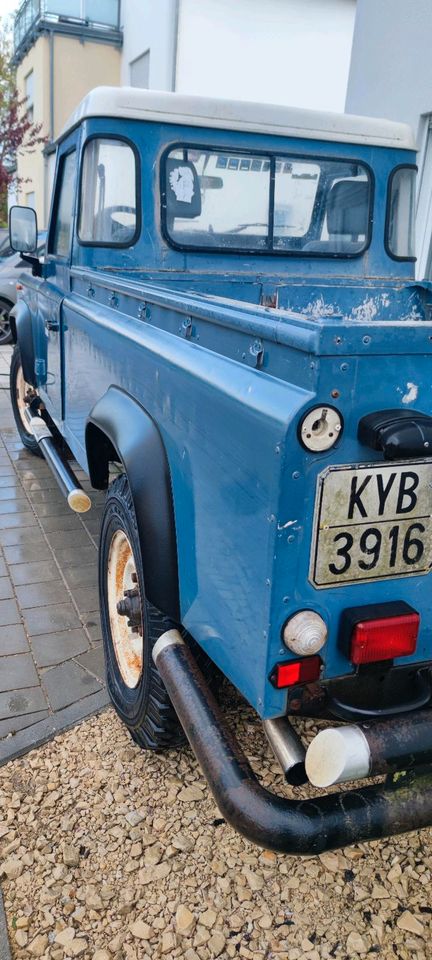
[293, 52]
[391, 76]
[62, 48]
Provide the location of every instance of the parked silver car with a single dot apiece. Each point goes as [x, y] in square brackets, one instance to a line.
[10, 269]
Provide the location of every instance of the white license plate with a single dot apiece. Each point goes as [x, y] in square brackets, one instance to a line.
[372, 522]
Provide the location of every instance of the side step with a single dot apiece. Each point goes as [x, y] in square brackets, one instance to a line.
[70, 487]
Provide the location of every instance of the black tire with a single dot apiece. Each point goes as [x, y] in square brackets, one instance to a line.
[5, 328]
[145, 709]
[15, 373]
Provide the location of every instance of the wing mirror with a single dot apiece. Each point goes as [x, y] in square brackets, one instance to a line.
[23, 235]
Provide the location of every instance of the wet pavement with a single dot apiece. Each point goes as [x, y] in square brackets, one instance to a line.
[51, 658]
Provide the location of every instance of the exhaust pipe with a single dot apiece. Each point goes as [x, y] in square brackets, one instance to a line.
[77, 498]
[288, 749]
[340, 754]
[276, 823]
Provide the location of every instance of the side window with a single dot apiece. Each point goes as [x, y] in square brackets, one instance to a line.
[108, 196]
[61, 232]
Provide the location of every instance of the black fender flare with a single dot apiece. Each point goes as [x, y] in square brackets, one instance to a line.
[119, 428]
[22, 333]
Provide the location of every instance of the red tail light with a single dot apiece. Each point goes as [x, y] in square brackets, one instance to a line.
[297, 671]
[384, 638]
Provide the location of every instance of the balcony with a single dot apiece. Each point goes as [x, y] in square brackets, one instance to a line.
[85, 19]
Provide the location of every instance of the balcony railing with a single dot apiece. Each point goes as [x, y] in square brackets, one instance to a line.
[100, 17]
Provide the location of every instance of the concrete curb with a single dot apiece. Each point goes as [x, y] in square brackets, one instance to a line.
[39, 733]
[5, 951]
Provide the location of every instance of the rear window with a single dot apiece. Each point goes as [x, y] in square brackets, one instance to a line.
[213, 199]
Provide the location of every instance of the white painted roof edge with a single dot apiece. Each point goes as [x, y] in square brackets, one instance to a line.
[137, 104]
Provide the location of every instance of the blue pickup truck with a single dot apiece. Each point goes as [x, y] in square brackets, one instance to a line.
[227, 335]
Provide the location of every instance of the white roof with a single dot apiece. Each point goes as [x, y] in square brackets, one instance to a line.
[179, 108]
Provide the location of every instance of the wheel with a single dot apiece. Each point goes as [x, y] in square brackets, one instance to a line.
[130, 628]
[5, 328]
[19, 390]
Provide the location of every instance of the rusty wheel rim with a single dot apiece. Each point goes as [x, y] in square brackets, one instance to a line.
[123, 601]
[23, 392]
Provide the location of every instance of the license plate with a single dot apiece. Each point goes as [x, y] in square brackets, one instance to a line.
[372, 522]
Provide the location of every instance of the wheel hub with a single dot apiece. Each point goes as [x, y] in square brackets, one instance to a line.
[130, 607]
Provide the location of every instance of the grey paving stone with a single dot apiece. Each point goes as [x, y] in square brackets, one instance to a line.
[61, 616]
[46, 496]
[13, 724]
[85, 575]
[9, 521]
[9, 493]
[94, 661]
[9, 538]
[9, 612]
[6, 589]
[34, 572]
[40, 483]
[54, 508]
[71, 556]
[20, 702]
[14, 506]
[68, 683]
[86, 598]
[27, 552]
[17, 671]
[10, 482]
[75, 538]
[93, 625]
[53, 648]
[13, 640]
[41, 594]
[3, 568]
[63, 523]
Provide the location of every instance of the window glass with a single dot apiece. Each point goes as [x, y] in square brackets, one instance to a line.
[63, 215]
[108, 193]
[217, 199]
[401, 213]
[224, 200]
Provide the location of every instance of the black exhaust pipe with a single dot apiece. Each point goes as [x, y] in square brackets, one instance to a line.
[286, 826]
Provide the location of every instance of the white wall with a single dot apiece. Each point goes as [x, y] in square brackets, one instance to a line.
[149, 25]
[294, 52]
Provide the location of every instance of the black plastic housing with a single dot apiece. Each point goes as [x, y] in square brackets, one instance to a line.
[399, 434]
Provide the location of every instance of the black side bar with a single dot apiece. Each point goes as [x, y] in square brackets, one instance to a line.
[287, 826]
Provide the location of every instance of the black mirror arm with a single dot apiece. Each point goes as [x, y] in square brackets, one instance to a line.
[34, 262]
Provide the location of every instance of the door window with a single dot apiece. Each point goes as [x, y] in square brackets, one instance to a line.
[108, 195]
[61, 233]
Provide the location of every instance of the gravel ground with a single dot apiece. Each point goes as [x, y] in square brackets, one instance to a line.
[109, 853]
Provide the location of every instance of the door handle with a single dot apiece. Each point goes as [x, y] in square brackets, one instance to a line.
[52, 325]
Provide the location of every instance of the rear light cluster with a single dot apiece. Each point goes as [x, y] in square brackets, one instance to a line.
[295, 672]
[369, 634]
[384, 638]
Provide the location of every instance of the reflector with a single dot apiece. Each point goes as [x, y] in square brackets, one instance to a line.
[297, 671]
[384, 638]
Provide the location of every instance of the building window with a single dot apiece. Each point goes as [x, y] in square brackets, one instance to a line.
[108, 195]
[139, 71]
[29, 95]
